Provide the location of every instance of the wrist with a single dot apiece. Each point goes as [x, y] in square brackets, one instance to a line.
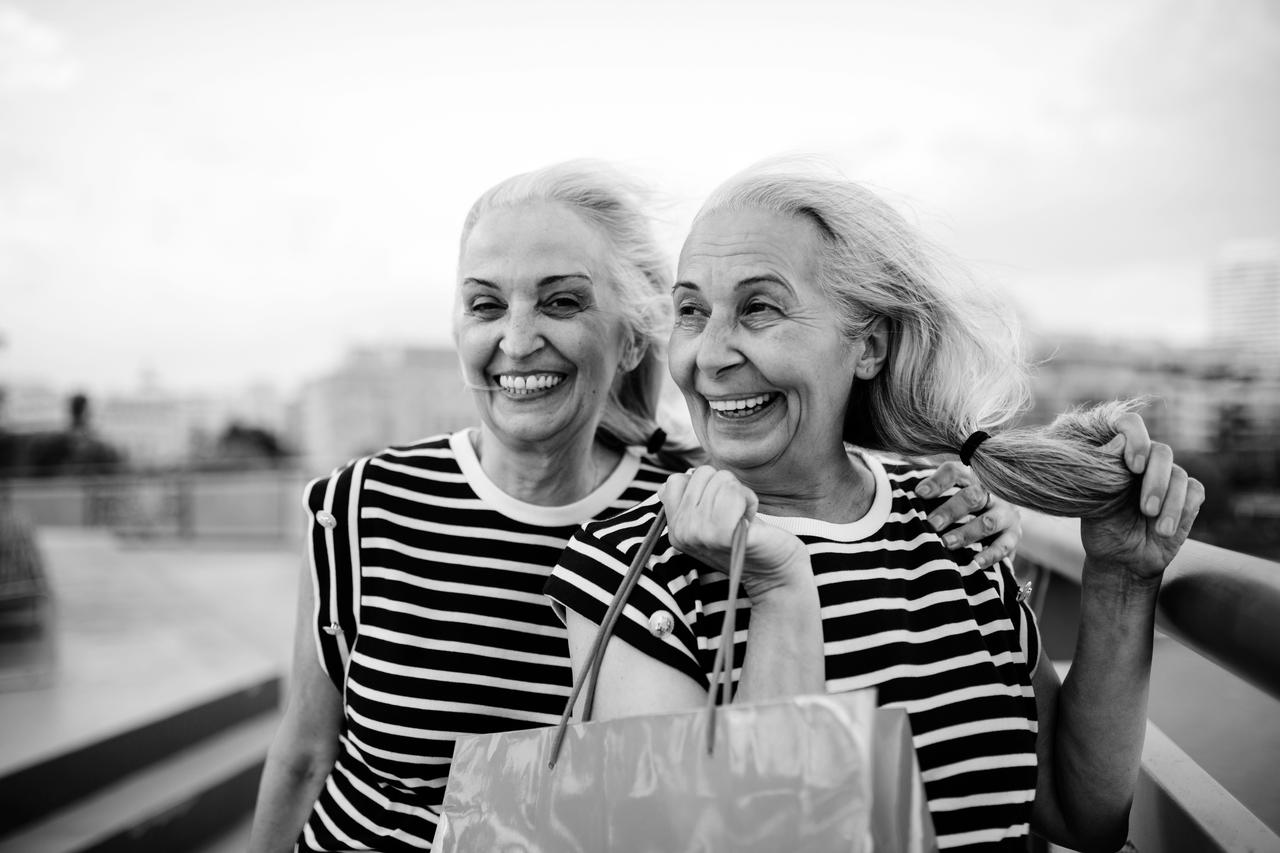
[790, 590]
[1119, 589]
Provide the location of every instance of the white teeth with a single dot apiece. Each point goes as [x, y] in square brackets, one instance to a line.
[529, 384]
[739, 405]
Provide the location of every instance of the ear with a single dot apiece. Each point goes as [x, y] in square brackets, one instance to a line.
[632, 351]
[875, 349]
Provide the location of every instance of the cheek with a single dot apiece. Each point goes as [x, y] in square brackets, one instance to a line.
[474, 342]
[680, 362]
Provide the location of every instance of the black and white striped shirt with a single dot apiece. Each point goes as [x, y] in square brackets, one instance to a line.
[452, 634]
[951, 644]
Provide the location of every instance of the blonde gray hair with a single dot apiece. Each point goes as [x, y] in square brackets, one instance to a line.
[953, 364]
[638, 270]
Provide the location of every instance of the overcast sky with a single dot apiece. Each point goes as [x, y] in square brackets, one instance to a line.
[224, 192]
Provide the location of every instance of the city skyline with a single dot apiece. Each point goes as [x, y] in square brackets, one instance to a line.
[221, 196]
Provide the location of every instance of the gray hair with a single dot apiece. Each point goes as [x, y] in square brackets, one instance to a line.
[638, 269]
[953, 364]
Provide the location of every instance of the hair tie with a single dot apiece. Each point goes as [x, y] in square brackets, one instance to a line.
[656, 440]
[970, 445]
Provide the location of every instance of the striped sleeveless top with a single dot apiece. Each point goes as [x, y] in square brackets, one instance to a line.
[430, 620]
[951, 644]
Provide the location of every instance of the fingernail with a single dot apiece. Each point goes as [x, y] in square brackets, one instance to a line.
[949, 541]
[1165, 527]
[936, 522]
[988, 523]
[1153, 505]
[1139, 463]
[925, 490]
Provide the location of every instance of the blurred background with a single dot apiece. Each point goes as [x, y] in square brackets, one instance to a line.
[228, 234]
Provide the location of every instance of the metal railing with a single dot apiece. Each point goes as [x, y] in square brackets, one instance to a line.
[1222, 605]
[263, 505]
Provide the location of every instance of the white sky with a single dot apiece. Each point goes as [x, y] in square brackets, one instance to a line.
[233, 191]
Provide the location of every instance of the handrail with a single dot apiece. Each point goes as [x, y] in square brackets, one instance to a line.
[1220, 603]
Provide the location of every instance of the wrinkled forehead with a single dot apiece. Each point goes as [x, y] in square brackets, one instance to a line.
[741, 241]
[533, 239]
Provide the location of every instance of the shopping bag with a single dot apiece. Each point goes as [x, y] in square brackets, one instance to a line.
[807, 773]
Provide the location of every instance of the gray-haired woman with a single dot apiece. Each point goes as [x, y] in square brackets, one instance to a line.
[810, 315]
[423, 615]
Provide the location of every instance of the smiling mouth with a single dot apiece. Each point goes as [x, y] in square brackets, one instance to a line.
[742, 407]
[528, 384]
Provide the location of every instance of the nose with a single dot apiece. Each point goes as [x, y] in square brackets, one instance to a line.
[717, 348]
[521, 336]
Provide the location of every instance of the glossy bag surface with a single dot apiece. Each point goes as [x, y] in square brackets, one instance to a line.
[810, 773]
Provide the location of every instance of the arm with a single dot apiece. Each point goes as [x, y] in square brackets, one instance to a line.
[1092, 726]
[305, 745]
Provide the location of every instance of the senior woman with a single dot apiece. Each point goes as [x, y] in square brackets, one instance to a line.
[808, 314]
[423, 615]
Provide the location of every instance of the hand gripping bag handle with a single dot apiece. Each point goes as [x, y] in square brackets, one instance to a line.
[590, 673]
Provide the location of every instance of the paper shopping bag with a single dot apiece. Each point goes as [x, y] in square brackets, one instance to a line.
[811, 773]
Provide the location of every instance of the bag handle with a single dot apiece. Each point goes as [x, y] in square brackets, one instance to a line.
[721, 679]
[590, 673]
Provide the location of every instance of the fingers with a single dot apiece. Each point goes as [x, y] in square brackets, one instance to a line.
[948, 474]
[704, 505]
[1174, 507]
[1002, 520]
[1136, 441]
[1003, 546]
[1195, 500]
[1156, 479]
[970, 500]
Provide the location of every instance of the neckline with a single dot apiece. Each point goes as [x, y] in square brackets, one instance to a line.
[877, 514]
[579, 511]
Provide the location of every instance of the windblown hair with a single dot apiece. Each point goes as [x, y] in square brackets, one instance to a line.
[638, 270]
[953, 364]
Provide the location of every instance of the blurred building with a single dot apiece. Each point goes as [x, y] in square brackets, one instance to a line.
[380, 396]
[28, 408]
[156, 428]
[159, 428]
[1244, 298]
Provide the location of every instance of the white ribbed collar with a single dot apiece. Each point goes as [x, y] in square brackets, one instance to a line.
[544, 516]
[853, 531]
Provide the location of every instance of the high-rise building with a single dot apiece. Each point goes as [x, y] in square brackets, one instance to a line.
[1244, 298]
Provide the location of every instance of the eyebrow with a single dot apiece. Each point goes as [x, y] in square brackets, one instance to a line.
[767, 278]
[548, 281]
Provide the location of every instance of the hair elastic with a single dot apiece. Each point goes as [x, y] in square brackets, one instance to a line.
[656, 439]
[970, 445]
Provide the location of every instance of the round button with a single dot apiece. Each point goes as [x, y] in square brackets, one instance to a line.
[661, 623]
[326, 519]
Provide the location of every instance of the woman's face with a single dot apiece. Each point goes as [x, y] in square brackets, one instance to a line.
[537, 322]
[757, 347]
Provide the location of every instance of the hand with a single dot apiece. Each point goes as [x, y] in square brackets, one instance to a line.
[993, 516]
[703, 507]
[1142, 540]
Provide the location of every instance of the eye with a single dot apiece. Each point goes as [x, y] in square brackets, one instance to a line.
[690, 314]
[564, 305]
[759, 309]
[485, 307]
